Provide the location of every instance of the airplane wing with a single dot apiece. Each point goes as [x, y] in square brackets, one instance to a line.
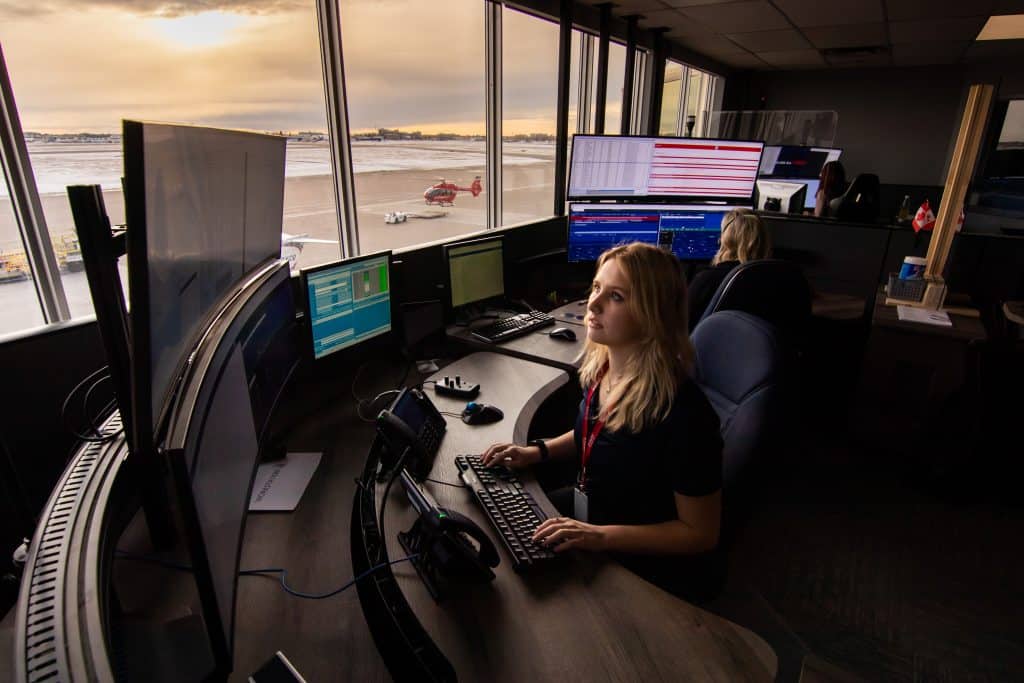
[288, 238]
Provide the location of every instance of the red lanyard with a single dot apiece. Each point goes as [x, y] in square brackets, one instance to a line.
[589, 439]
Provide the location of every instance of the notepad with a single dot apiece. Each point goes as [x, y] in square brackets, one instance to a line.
[279, 485]
[913, 314]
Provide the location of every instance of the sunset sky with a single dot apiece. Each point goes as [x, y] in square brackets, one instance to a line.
[83, 65]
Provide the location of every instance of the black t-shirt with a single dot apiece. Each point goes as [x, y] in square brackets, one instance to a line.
[702, 289]
[633, 479]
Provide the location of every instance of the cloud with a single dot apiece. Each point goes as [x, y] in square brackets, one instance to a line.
[159, 8]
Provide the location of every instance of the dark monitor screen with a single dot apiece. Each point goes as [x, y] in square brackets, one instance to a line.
[222, 472]
[692, 233]
[204, 207]
[664, 169]
[476, 270]
[348, 302]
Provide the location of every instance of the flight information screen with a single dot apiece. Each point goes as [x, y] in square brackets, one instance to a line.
[690, 232]
[349, 302]
[622, 167]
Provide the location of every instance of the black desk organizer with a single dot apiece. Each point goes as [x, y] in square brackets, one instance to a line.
[908, 290]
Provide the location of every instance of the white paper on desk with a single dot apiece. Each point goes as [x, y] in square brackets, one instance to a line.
[279, 485]
[913, 314]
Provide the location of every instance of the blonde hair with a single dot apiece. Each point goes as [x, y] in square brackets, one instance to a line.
[743, 238]
[657, 302]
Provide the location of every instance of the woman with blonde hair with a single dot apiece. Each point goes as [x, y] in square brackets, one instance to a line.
[646, 439]
[743, 239]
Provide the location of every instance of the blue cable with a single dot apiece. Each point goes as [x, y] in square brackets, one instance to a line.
[313, 596]
[274, 570]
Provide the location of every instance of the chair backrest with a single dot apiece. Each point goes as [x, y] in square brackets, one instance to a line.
[741, 365]
[860, 201]
[771, 289]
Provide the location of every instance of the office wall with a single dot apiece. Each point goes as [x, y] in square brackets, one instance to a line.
[900, 123]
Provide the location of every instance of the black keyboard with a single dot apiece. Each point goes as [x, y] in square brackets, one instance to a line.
[514, 326]
[512, 511]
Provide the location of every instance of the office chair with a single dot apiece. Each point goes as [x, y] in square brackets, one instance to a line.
[741, 367]
[860, 201]
[774, 290]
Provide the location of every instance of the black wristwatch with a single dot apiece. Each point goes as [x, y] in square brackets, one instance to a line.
[539, 443]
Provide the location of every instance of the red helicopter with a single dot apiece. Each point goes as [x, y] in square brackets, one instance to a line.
[443, 193]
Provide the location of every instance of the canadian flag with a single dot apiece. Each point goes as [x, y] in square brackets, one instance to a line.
[924, 219]
[960, 220]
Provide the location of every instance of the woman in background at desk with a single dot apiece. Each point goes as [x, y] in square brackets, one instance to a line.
[648, 443]
[743, 239]
[832, 184]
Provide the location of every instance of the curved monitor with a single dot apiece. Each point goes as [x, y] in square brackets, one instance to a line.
[797, 163]
[663, 169]
[347, 302]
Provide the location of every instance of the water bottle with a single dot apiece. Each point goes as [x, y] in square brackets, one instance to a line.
[904, 214]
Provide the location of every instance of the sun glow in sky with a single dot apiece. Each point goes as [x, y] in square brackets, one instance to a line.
[255, 64]
[198, 30]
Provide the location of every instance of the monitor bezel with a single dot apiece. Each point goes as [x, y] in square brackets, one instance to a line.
[446, 252]
[657, 198]
[307, 310]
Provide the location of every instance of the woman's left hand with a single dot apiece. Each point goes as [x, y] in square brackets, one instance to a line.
[563, 533]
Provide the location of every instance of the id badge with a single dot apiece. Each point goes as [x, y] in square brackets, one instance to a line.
[579, 504]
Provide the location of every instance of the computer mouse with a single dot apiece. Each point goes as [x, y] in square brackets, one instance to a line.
[563, 333]
[481, 414]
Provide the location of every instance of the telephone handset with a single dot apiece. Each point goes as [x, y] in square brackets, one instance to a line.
[438, 538]
[412, 422]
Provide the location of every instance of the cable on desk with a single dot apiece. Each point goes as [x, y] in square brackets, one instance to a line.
[445, 412]
[447, 483]
[94, 379]
[313, 596]
[272, 570]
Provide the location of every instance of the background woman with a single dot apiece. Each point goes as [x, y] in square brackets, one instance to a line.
[832, 185]
[743, 239]
[646, 439]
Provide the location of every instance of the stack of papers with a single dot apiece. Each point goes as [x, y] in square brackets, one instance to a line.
[913, 314]
[279, 485]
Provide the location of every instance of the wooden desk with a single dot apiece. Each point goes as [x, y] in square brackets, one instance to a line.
[536, 346]
[586, 619]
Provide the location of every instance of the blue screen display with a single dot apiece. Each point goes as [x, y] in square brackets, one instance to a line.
[348, 303]
[690, 232]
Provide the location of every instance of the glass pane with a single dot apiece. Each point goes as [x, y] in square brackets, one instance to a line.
[530, 99]
[233, 68]
[19, 305]
[670, 98]
[613, 95]
[416, 116]
[695, 97]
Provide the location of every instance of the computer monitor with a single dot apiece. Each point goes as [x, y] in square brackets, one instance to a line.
[476, 270]
[204, 207]
[663, 169]
[795, 163]
[692, 233]
[781, 197]
[348, 302]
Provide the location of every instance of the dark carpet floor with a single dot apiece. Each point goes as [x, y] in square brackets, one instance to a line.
[885, 575]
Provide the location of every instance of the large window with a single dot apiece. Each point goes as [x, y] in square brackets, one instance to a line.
[686, 101]
[78, 69]
[671, 94]
[613, 94]
[19, 305]
[414, 74]
[530, 100]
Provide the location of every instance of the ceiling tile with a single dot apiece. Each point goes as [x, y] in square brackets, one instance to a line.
[744, 60]
[793, 58]
[624, 7]
[739, 17]
[831, 12]
[1008, 7]
[851, 35]
[695, 3]
[711, 44]
[904, 10]
[988, 50]
[770, 41]
[935, 52]
[922, 30]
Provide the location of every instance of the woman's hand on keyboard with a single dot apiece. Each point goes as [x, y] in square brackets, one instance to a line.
[510, 455]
